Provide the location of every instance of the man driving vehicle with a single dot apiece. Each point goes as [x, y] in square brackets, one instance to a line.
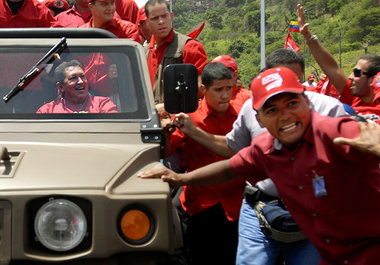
[73, 95]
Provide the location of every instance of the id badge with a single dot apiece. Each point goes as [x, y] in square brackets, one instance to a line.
[319, 185]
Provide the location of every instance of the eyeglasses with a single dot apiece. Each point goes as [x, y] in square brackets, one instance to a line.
[358, 72]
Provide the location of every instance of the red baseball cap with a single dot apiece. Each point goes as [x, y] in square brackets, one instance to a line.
[273, 82]
[141, 16]
[60, 4]
[311, 77]
[227, 60]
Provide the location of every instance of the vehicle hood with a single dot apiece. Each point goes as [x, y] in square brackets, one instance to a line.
[67, 166]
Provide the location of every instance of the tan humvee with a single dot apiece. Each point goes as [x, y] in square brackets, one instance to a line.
[68, 186]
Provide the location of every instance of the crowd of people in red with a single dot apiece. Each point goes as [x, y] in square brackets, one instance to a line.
[210, 134]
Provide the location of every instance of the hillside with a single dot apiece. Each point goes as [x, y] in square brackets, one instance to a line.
[233, 27]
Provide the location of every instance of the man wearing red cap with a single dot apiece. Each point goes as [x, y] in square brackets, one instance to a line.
[239, 95]
[320, 182]
[310, 82]
[168, 47]
[25, 14]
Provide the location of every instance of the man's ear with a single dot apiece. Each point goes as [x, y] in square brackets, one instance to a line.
[59, 87]
[258, 120]
[202, 89]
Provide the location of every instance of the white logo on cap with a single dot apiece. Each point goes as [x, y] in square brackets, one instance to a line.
[273, 81]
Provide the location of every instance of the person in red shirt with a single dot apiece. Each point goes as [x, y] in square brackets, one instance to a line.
[239, 95]
[211, 213]
[167, 47]
[325, 87]
[127, 10]
[25, 14]
[319, 181]
[356, 90]
[73, 93]
[144, 27]
[56, 6]
[76, 16]
[103, 17]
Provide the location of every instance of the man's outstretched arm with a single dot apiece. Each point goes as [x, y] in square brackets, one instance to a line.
[215, 143]
[369, 140]
[212, 174]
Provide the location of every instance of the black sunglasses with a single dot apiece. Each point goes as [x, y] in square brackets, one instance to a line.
[358, 72]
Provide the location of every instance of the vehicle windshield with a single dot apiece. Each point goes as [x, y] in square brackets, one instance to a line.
[82, 82]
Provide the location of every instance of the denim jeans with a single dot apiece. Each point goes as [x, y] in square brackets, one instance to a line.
[255, 248]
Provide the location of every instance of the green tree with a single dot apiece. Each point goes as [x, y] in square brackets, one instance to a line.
[215, 19]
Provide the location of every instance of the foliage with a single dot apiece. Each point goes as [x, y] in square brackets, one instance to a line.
[233, 27]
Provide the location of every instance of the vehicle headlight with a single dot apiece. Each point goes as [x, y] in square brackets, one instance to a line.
[60, 225]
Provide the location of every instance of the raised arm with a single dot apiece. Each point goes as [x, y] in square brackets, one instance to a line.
[323, 57]
[215, 143]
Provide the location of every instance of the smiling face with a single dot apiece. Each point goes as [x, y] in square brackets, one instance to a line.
[286, 116]
[218, 95]
[102, 11]
[361, 86]
[75, 86]
[160, 20]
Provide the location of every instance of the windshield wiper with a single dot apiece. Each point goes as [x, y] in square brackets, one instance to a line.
[24, 80]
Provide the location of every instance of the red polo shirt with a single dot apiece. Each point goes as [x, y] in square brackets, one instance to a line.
[195, 199]
[193, 53]
[121, 29]
[32, 14]
[72, 18]
[347, 98]
[239, 96]
[344, 224]
[127, 10]
[93, 104]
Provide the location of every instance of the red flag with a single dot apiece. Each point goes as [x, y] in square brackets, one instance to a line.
[291, 44]
[196, 32]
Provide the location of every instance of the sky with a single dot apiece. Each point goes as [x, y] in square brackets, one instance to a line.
[140, 3]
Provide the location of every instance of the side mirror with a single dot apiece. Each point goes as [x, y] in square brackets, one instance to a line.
[180, 88]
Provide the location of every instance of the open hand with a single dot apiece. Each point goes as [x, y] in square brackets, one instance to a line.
[368, 141]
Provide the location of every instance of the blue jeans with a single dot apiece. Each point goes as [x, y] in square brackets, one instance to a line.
[255, 248]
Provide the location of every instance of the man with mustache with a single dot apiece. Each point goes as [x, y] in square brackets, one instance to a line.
[73, 93]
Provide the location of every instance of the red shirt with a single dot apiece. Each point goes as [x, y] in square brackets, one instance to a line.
[32, 14]
[121, 29]
[195, 199]
[96, 67]
[93, 104]
[72, 18]
[344, 224]
[239, 96]
[326, 88]
[349, 99]
[193, 52]
[127, 10]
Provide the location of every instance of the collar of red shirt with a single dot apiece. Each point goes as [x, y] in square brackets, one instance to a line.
[206, 111]
[168, 39]
[308, 137]
[86, 14]
[107, 26]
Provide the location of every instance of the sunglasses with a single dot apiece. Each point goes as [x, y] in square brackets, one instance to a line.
[358, 72]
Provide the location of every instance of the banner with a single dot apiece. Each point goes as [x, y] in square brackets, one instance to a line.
[291, 44]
